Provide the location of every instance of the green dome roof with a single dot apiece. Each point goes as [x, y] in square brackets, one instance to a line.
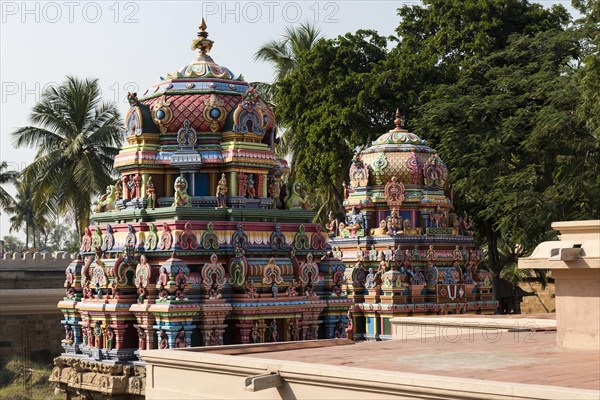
[399, 135]
[202, 67]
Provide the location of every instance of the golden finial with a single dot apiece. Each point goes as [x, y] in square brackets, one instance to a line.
[202, 43]
[400, 121]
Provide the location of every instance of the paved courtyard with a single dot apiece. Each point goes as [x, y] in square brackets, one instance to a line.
[519, 357]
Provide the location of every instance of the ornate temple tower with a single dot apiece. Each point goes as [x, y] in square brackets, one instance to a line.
[195, 244]
[405, 252]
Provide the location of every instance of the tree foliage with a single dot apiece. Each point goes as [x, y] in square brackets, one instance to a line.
[12, 244]
[437, 39]
[6, 176]
[283, 54]
[25, 214]
[331, 104]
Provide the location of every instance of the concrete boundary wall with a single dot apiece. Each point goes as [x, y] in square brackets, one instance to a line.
[31, 284]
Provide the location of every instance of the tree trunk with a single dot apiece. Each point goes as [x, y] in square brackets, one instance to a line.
[77, 224]
[26, 236]
[493, 257]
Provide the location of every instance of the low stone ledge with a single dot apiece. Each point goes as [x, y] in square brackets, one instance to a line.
[406, 328]
[188, 374]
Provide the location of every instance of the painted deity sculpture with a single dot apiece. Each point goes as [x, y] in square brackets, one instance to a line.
[221, 192]
[394, 223]
[275, 193]
[182, 199]
[466, 225]
[355, 224]
[150, 193]
[137, 184]
[164, 341]
[110, 338]
[141, 338]
[332, 225]
[68, 335]
[133, 186]
[119, 189]
[249, 187]
[438, 218]
[98, 335]
[180, 339]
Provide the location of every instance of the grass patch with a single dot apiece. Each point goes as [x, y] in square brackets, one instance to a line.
[27, 378]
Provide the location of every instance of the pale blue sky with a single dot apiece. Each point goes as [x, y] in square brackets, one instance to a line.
[128, 45]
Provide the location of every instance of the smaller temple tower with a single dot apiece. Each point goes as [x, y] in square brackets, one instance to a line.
[405, 251]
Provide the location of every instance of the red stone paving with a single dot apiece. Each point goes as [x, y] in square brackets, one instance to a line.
[519, 358]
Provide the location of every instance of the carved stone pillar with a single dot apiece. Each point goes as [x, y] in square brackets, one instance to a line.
[245, 327]
[262, 328]
[119, 330]
[151, 342]
[143, 188]
[241, 183]
[233, 184]
[261, 190]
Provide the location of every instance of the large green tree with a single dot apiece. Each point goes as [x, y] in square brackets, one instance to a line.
[587, 29]
[439, 38]
[331, 104]
[518, 153]
[76, 136]
[440, 43]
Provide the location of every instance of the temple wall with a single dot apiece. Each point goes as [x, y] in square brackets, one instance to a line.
[30, 287]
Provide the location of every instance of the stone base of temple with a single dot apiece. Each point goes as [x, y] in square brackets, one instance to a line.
[106, 354]
[79, 377]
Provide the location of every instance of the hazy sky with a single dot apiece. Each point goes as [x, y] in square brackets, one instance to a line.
[128, 45]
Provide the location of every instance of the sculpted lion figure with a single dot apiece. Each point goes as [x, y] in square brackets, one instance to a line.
[107, 201]
[294, 201]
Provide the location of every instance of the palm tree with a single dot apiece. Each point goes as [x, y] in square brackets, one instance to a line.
[6, 176]
[26, 214]
[76, 135]
[283, 54]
